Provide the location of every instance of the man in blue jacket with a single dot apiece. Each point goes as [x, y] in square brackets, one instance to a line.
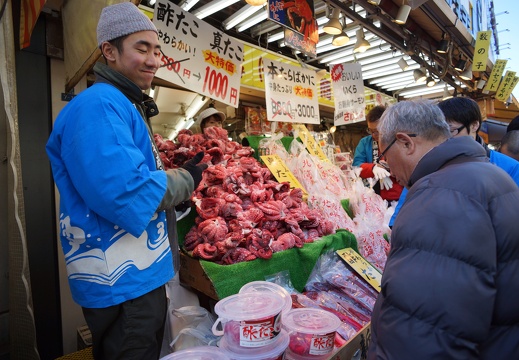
[464, 118]
[117, 218]
[449, 284]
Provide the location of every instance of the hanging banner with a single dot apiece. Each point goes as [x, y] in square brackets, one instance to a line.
[495, 76]
[297, 15]
[297, 41]
[197, 56]
[348, 89]
[290, 93]
[479, 63]
[505, 88]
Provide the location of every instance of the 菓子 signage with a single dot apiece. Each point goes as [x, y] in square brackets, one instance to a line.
[197, 56]
[290, 93]
[348, 89]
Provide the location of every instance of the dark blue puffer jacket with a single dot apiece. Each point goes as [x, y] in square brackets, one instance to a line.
[452, 276]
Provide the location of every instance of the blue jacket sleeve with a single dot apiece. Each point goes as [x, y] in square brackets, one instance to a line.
[511, 166]
[363, 151]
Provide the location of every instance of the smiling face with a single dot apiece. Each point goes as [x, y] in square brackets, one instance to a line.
[138, 59]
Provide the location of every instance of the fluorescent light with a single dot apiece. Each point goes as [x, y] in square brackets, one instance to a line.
[212, 7]
[252, 21]
[239, 16]
[188, 4]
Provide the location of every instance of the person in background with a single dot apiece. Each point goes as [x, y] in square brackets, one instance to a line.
[450, 280]
[513, 125]
[464, 118]
[116, 200]
[371, 163]
[510, 144]
[210, 117]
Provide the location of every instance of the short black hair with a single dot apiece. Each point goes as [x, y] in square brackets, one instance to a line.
[462, 110]
[511, 140]
[375, 113]
[514, 124]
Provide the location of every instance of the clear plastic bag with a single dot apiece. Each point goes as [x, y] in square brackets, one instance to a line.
[195, 324]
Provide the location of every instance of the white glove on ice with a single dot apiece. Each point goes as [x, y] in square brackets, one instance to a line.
[379, 172]
[386, 183]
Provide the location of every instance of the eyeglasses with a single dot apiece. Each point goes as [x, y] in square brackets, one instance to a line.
[392, 143]
[455, 132]
[371, 132]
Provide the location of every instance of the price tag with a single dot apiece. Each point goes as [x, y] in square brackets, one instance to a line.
[361, 267]
[311, 145]
[282, 173]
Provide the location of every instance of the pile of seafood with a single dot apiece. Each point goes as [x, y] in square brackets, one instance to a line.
[243, 213]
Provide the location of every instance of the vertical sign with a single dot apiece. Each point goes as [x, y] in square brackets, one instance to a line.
[297, 41]
[197, 56]
[297, 15]
[495, 75]
[348, 89]
[506, 84]
[290, 93]
[479, 63]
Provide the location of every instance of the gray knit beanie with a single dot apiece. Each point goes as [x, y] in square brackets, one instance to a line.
[120, 20]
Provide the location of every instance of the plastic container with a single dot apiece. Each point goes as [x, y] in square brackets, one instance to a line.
[269, 286]
[273, 351]
[198, 353]
[290, 355]
[249, 320]
[311, 331]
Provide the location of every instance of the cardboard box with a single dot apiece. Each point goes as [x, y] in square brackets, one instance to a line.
[356, 348]
[192, 274]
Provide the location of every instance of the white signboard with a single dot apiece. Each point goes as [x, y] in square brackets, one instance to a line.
[348, 89]
[197, 56]
[290, 93]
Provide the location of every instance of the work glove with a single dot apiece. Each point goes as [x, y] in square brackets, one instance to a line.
[195, 169]
[386, 183]
[379, 172]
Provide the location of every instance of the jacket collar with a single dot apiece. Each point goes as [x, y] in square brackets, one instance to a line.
[453, 150]
[105, 74]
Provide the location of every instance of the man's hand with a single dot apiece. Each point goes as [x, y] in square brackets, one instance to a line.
[386, 183]
[195, 169]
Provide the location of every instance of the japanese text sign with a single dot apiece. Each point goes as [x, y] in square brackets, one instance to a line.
[495, 75]
[281, 172]
[348, 89]
[197, 56]
[505, 88]
[479, 63]
[290, 93]
[309, 142]
[361, 267]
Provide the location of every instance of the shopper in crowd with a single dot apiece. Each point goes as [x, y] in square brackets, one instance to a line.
[464, 118]
[114, 193]
[513, 125]
[451, 276]
[210, 117]
[372, 165]
[510, 144]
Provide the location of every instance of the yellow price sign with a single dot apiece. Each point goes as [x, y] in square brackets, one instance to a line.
[282, 173]
[361, 267]
[311, 145]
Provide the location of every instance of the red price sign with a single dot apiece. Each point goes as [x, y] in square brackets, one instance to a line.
[215, 83]
[170, 64]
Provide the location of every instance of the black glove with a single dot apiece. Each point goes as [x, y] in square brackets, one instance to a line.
[195, 169]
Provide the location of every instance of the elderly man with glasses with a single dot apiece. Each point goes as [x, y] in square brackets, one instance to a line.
[450, 280]
[464, 118]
